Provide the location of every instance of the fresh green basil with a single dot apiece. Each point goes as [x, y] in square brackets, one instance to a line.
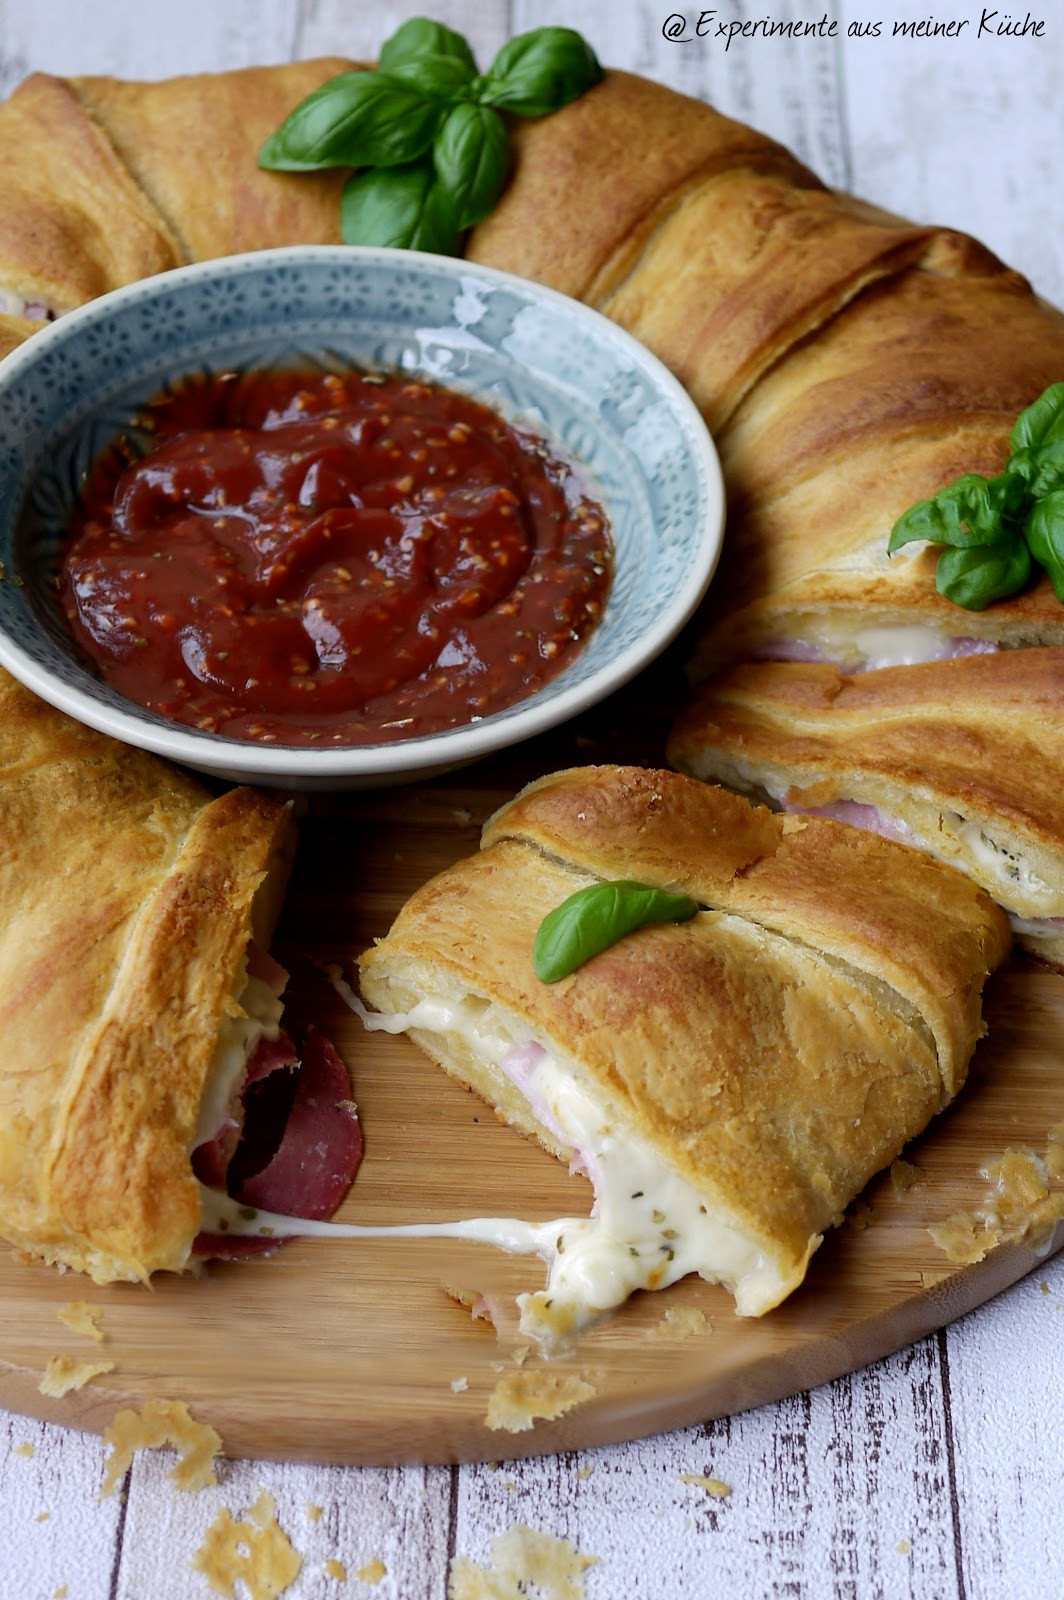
[471, 156]
[403, 208]
[971, 511]
[427, 108]
[540, 72]
[996, 529]
[975, 576]
[1045, 536]
[1040, 468]
[420, 37]
[360, 119]
[594, 918]
[437, 77]
[1042, 422]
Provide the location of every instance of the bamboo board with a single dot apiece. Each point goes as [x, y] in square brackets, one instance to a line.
[355, 1351]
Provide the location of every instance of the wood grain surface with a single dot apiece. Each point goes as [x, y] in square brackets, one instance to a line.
[934, 1474]
[390, 1367]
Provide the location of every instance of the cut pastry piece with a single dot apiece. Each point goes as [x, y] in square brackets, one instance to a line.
[958, 758]
[135, 998]
[728, 1083]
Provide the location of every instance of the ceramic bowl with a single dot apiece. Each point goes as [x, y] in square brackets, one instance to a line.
[543, 360]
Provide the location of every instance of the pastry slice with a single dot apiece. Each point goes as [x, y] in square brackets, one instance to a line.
[959, 758]
[728, 1083]
[136, 996]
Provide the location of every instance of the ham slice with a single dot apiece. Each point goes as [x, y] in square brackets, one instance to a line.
[308, 1140]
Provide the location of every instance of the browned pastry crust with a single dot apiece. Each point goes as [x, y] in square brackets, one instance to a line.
[776, 1051]
[73, 223]
[127, 897]
[848, 364]
[106, 182]
[191, 145]
[979, 740]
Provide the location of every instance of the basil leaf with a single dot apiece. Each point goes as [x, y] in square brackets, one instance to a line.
[1042, 422]
[1040, 469]
[359, 119]
[1045, 536]
[540, 72]
[471, 156]
[437, 77]
[421, 37]
[594, 918]
[400, 207]
[976, 576]
[971, 511]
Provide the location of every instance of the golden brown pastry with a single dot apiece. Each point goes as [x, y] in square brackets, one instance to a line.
[106, 182]
[848, 364]
[127, 900]
[730, 1082]
[961, 759]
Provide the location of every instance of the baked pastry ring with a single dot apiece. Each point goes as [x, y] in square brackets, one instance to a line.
[760, 1062]
[128, 897]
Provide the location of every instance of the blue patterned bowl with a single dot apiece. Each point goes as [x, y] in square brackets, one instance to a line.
[543, 360]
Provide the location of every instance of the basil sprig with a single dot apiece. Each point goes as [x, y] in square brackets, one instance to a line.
[594, 918]
[997, 529]
[426, 130]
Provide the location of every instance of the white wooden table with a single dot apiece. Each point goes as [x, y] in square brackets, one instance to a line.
[939, 1472]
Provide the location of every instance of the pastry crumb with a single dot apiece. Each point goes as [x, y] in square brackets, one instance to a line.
[63, 1374]
[964, 1238]
[716, 1487]
[43, 1516]
[521, 1398]
[860, 1216]
[903, 1547]
[521, 1558]
[372, 1572]
[256, 1553]
[27, 1449]
[680, 1322]
[313, 1512]
[335, 1569]
[583, 1473]
[521, 1354]
[60, 1593]
[81, 1317]
[160, 1422]
[904, 1175]
[459, 1385]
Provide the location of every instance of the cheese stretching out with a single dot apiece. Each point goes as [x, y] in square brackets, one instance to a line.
[135, 997]
[960, 759]
[728, 1083]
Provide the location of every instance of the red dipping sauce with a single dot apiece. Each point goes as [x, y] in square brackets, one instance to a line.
[304, 558]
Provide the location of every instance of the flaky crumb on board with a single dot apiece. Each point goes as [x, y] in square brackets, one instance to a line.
[680, 1322]
[716, 1487]
[256, 1553]
[160, 1422]
[520, 1558]
[372, 1572]
[523, 1397]
[313, 1512]
[1020, 1205]
[80, 1317]
[459, 1385]
[25, 1449]
[335, 1569]
[903, 1175]
[63, 1373]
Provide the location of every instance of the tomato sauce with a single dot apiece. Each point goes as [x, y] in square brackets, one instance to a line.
[310, 558]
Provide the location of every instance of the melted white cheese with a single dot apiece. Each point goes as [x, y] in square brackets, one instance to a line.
[900, 645]
[648, 1226]
[237, 1039]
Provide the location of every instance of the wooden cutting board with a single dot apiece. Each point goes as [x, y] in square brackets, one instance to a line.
[356, 1352]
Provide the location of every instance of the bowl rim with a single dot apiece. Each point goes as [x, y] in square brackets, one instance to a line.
[469, 741]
